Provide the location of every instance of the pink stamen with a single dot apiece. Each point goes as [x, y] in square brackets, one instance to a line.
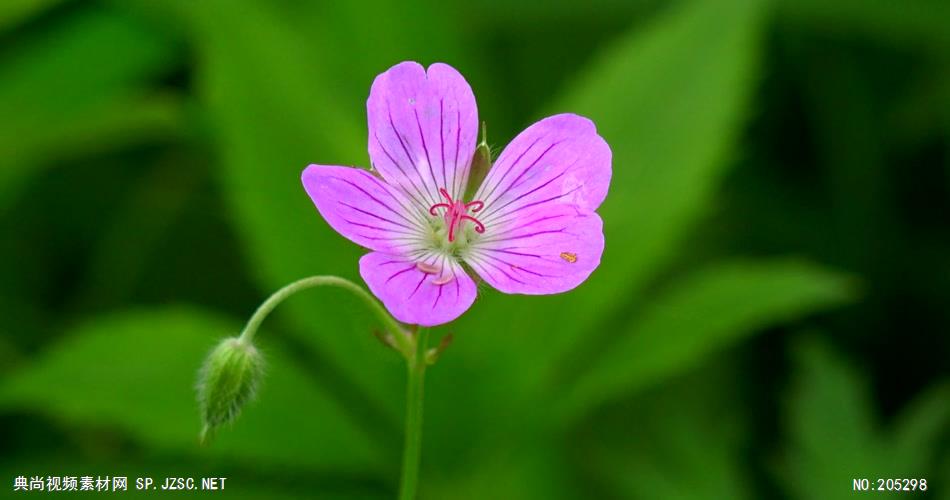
[445, 194]
[456, 212]
[439, 205]
[479, 227]
[476, 202]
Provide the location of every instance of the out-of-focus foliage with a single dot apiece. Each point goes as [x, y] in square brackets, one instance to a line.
[263, 140]
[15, 11]
[831, 421]
[77, 86]
[133, 370]
[698, 316]
[779, 167]
[689, 445]
[668, 138]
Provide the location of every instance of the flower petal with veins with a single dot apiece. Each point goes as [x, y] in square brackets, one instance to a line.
[546, 250]
[558, 160]
[365, 209]
[425, 292]
[422, 129]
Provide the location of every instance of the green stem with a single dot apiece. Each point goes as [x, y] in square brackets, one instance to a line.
[414, 347]
[414, 402]
[399, 335]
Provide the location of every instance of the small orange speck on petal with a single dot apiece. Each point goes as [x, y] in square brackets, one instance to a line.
[569, 257]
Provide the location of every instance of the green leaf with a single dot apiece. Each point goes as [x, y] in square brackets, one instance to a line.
[694, 318]
[14, 12]
[913, 23]
[659, 445]
[831, 427]
[137, 371]
[682, 439]
[9, 355]
[834, 437]
[669, 99]
[918, 426]
[125, 119]
[77, 86]
[423, 30]
[535, 470]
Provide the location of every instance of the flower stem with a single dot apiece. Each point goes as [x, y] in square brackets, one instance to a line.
[403, 342]
[414, 403]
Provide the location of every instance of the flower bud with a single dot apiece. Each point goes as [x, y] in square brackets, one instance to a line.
[481, 164]
[228, 380]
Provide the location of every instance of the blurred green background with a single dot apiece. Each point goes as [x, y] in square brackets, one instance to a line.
[770, 319]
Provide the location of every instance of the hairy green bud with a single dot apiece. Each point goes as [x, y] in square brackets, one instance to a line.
[227, 381]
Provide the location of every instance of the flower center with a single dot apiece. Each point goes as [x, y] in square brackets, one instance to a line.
[456, 212]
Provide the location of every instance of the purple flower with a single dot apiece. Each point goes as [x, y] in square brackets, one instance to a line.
[530, 227]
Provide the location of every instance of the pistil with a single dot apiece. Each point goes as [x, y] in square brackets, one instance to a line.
[456, 211]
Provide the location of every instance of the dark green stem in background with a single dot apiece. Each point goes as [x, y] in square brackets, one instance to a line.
[415, 385]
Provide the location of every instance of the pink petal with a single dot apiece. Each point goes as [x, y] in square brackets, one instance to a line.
[558, 160]
[422, 130]
[550, 249]
[364, 209]
[428, 294]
